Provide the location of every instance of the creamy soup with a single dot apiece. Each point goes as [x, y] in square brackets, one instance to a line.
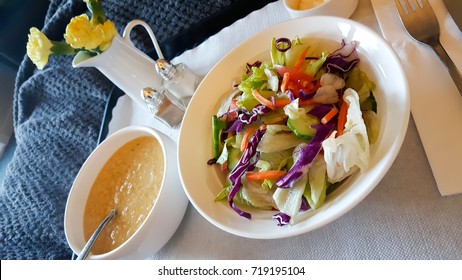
[305, 4]
[129, 182]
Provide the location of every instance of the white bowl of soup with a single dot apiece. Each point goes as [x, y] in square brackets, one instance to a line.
[135, 172]
[304, 8]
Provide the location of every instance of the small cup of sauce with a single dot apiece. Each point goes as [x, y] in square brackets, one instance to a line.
[303, 8]
[134, 171]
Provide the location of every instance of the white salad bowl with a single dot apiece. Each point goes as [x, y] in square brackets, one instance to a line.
[164, 217]
[203, 182]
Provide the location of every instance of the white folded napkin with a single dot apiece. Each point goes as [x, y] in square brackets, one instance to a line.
[436, 104]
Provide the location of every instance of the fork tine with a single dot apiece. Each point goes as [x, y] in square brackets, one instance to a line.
[429, 13]
[412, 5]
[420, 22]
[403, 7]
[400, 8]
[425, 3]
[409, 6]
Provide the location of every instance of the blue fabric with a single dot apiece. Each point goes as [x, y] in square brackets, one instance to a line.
[57, 117]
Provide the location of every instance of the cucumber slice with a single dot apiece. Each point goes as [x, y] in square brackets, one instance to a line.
[234, 155]
[274, 116]
[217, 128]
[369, 104]
[302, 126]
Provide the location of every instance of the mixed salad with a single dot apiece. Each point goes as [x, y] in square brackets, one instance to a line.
[293, 128]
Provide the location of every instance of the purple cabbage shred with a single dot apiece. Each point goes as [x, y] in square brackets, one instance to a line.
[291, 95]
[282, 219]
[306, 157]
[320, 111]
[343, 59]
[305, 95]
[305, 206]
[283, 44]
[246, 117]
[244, 164]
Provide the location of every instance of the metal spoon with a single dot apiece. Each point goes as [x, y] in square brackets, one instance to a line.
[86, 250]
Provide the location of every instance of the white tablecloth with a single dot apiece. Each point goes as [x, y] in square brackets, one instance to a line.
[404, 217]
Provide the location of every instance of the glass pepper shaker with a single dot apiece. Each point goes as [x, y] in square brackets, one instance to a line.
[161, 106]
[179, 79]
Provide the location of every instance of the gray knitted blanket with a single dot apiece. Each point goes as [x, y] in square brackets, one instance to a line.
[57, 117]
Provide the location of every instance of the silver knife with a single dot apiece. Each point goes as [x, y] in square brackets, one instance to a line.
[455, 10]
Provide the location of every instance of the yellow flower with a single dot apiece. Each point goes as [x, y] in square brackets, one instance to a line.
[92, 36]
[107, 31]
[38, 48]
[80, 34]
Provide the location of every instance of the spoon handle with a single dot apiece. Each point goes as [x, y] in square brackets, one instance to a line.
[86, 250]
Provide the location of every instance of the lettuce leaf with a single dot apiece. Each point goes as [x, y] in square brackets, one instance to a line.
[271, 143]
[294, 53]
[255, 195]
[315, 191]
[288, 201]
[358, 80]
[315, 65]
[257, 80]
[372, 125]
[277, 57]
[350, 151]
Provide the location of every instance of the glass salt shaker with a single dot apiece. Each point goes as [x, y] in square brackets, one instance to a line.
[179, 79]
[161, 106]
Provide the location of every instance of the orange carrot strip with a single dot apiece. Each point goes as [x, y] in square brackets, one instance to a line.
[306, 102]
[224, 166]
[246, 137]
[262, 99]
[285, 82]
[262, 175]
[342, 116]
[301, 59]
[281, 102]
[329, 115]
[232, 106]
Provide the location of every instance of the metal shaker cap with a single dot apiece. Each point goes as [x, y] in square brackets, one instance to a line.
[165, 69]
[153, 99]
[161, 107]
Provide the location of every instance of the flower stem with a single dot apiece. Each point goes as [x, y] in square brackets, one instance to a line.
[96, 9]
[62, 48]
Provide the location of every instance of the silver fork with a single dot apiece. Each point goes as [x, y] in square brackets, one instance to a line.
[421, 23]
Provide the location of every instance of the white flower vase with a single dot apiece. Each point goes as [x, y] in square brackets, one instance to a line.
[127, 67]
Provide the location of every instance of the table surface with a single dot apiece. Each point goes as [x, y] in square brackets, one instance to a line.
[404, 217]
